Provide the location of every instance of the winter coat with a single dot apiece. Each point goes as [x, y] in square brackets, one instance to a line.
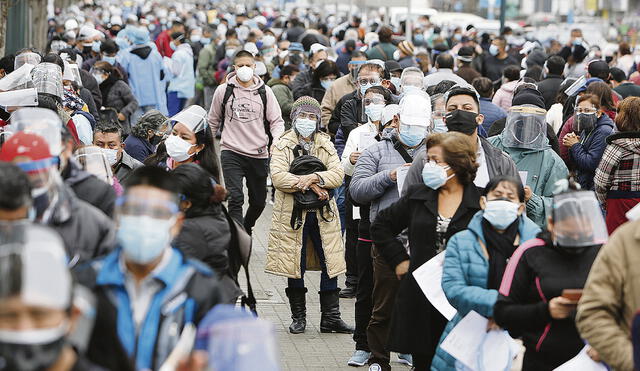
[341, 87]
[206, 65]
[285, 244]
[416, 325]
[549, 88]
[537, 272]
[89, 188]
[138, 148]
[284, 96]
[618, 168]
[146, 76]
[464, 277]
[125, 166]
[498, 163]
[371, 181]
[498, 127]
[90, 83]
[611, 297]
[491, 113]
[314, 90]
[468, 73]
[352, 115]
[382, 51]
[206, 236]
[121, 98]
[587, 153]
[492, 66]
[335, 121]
[243, 131]
[183, 78]
[503, 97]
[544, 168]
[299, 84]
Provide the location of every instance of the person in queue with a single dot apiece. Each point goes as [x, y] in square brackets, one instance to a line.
[324, 75]
[149, 131]
[374, 183]
[116, 94]
[320, 231]
[108, 137]
[317, 55]
[476, 258]
[433, 211]
[341, 87]
[538, 294]
[129, 331]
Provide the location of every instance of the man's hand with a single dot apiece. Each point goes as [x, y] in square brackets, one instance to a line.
[121, 117]
[394, 173]
[570, 140]
[321, 192]
[402, 269]
[560, 308]
[305, 181]
[354, 156]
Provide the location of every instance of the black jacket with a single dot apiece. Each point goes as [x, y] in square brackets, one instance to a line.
[334, 122]
[300, 85]
[314, 90]
[351, 114]
[498, 127]
[549, 89]
[89, 82]
[534, 276]
[89, 188]
[492, 67]
[416, 325]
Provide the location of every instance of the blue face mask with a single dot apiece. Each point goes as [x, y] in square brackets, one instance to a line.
[439, 126]
[143, 238]
[305, 127]
[326, 84]
[396, 82]
[374, 111]
[110, 60]
[95, 47]
[501, 213]
[494, 50]
[435, 176]
[412, 135]
[205, 40]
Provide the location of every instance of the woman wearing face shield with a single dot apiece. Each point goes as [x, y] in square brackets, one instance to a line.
[476, 258]
[318, 240]
[151, 129]
[544, 279]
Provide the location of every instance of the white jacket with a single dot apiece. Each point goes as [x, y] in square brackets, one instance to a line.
[353, 145]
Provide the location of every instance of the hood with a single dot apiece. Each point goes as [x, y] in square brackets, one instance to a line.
[273, 82]
[257, 82]
[628, 141]
[510, 86]
[185, 48]
[605, 120]
[517, 152]
[526, 228]
[142, 52]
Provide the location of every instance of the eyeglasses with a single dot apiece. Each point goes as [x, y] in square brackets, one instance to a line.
[368, 101]
[365, 81]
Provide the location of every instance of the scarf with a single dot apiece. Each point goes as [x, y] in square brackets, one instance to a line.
[500, 248]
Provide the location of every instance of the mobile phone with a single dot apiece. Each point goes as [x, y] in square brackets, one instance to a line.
[572, 294]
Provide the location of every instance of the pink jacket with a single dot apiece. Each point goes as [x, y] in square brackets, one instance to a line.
[243, 130]
[503, 97]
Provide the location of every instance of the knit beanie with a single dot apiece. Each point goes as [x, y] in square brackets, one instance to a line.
[528, 96]
[406, 47]
[305, 104]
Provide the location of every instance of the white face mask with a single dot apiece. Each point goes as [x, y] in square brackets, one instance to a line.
[111, 155]
[245, 73]
[305, 127]
[99, 78]
[178, 148]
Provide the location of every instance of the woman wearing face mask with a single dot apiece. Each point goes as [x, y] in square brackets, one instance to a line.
[116, 93]
[534, 299]
[587, 143]
[432, 212]
[151, 129]
[476, 258]
[323, 76]
[319, 240]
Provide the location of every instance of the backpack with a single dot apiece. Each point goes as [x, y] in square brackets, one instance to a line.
[305, 164]
[262, 91]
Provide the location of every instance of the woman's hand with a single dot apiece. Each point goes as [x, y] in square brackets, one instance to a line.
[402, 269]
[570, 140]
[121, 117]
[321, 192]
[305, 181]
[561, 308]
[593, 354]
[353, 157]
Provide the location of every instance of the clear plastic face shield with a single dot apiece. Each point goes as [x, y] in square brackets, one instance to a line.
[415, 111]
[93, 161]
[411, 79]
[71, 74]
[525, 127]
[18, 79]
[577, 220]
[26, 58]
[193, 117]
[47, 78]
[133, 204]
[40, 121]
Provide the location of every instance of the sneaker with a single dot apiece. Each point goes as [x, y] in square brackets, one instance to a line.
[405, 359]
[359, 358]
[375, 367]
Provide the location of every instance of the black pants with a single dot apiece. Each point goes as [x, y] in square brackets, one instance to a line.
[350, 242]
[364, 304]
[236, 167]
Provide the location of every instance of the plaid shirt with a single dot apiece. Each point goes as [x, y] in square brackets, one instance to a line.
[619, 169]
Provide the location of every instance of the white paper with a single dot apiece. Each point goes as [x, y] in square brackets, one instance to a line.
[498, 350]
[429, 278]
[401, 175]
[465, 339]
[182, 349]
[367, 138]
[16, 78]
[582, 362]
[523, 177]
[356, 213]
[19, 98]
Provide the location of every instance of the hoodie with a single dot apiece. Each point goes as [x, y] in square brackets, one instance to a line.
[504, 95]
[183, 78]
[243, 131]
[146, 76]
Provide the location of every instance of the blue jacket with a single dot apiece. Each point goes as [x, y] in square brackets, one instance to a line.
[146, 75]
[138, 148]
[491, 113]
[464, 278]
[189, 290]
[586, 155]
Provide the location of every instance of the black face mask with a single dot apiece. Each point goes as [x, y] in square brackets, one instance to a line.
[584, 122]
[155, 140]
[30, 357]
[461, 121]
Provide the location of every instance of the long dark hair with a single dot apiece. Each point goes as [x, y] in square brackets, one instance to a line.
[197, 186]
[207, 158]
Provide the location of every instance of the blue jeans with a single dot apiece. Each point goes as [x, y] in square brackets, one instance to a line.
[175, 104]
[312, 230]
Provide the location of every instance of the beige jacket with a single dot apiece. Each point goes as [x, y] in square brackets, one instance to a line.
[285, 244]
[611, 297]
[341, 87]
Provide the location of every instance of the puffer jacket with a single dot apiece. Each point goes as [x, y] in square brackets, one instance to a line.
[285, 244]
[587, 153]
[611, 297]
[544, 168]
[503, 97]
[464, 278]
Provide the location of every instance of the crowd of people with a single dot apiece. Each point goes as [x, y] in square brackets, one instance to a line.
[129, 143]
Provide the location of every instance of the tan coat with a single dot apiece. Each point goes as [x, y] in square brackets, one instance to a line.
[341, 87]
[285, 244]
[611, 297]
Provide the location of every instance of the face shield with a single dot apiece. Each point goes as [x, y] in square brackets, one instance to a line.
[193, 117]
[411, 80]
[40, 121]
[26, 58]
[72, 74]
[18, 79]
[93, 161]
[525, 128]
[47, 78]
[577, 220]
[415, 110]
[372, 106]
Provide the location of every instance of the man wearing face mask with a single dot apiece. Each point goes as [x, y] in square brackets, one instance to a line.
[341, 87]
[108, 52]
[38, 289]
[497, 59]
[148, 291]
[248, 114]
[86, 231]
[108, 136]
[317, 54]
[182, 79]
[462, 107]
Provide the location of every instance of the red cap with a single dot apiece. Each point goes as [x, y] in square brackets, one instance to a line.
[23, 144]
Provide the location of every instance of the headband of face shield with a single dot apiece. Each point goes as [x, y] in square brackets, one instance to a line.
[577, 220]
[525, 128]
[26, 58]
[41, 121]
[18, 79]
[411, 76]
[193, 117]
[33, 266]
[136, 206]
[47, 78]
[93, 160]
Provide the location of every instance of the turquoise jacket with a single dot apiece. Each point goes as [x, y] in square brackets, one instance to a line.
[544, 168]
[464, 278]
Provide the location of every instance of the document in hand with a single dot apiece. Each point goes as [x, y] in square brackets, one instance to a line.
[429, 278]
[401, 176]
[19, 98]
[582, 362]
[367, 139]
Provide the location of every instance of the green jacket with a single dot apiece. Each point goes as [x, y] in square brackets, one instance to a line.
[284, 96]
[206, 67]
[382, 51]
[544, 168]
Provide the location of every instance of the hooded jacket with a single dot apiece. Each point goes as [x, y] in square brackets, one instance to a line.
[243, 131]
[618, 167]
[284, 96]
[587, 153]
[544, 168]
[146, 72]
[301, 82]
[503, 97]
[89, 188]
[183, 78]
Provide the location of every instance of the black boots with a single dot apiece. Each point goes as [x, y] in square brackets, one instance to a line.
[298, 303]
[330, 308]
